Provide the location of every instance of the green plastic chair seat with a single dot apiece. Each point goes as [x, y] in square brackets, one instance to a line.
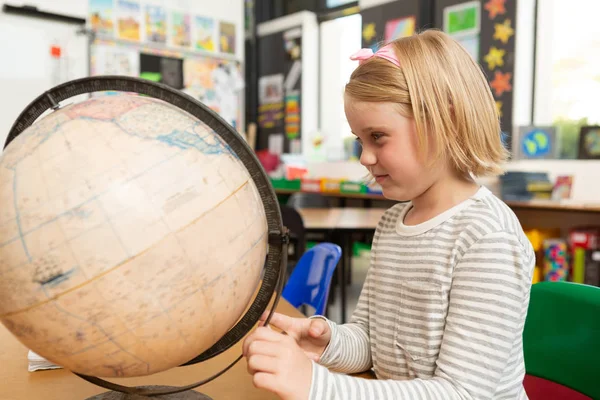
[561, 339]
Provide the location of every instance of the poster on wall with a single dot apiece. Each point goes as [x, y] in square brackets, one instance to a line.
[217, 84]
[205, 33]
[181, 30]
[270, 100]
[101, 17]
[589, 143]
[463, 22]
[109, 59]
[399, 28]
[156, 24]
[227, 37]
[535, 142]
[394, 20]
[292, 114]
[128, 20]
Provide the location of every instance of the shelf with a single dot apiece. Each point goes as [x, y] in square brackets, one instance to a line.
[532, 204]
[365, 196]
[554, 205]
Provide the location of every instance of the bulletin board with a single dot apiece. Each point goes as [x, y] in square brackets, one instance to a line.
[185, 50]
[487, 29]
[287, 69]
[279, 90]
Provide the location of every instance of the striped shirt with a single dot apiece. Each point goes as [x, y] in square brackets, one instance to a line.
[441, 312]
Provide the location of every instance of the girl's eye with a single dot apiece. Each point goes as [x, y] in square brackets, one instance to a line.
[376, 136]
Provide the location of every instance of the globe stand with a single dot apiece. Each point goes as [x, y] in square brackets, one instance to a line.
[187, 395]
[278, 236]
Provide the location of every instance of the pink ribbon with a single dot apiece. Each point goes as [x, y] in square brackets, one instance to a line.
[386, 52]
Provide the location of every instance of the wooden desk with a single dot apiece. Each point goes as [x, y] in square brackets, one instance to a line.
[16, 383]
[344, 218]
[344, 221]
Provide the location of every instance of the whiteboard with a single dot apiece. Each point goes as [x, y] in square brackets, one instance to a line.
[27, 68]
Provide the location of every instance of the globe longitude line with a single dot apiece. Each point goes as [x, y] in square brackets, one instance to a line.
[106, 272]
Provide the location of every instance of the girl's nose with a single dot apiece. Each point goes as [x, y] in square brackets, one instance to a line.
[367, 157]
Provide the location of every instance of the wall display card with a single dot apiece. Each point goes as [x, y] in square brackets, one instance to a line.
[156, 24]
[181, 29]
[292, 114]
[101, 17]
[216, 84]
[535, 142]
[110, 59]
[205, 33]
[463, 19]
[270, 100]
[589, 143]
[399, 28]
[128, 20]
[227, 37]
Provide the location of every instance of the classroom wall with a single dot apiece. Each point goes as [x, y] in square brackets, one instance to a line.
[227, 10]
[27, 41]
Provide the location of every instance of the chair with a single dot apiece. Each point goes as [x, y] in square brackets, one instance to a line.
[293, 221]
[310, 280]
[561, 342]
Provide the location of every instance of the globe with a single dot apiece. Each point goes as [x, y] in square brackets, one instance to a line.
[132, 236]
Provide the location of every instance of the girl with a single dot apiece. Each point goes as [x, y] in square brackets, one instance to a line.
[442, 310]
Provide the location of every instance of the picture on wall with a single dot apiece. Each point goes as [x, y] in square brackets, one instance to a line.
[215, 83]
[108, 59]
[156, 24]
[535, 142]
[270, 100]
[589, 143]
[205, 33]
[227, 37]
[101, 17]
[181, 30]
[463, 19]
[128, 20]
[399, 28]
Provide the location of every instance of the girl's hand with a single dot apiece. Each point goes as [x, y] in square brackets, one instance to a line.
[312, 335]
[278, 364]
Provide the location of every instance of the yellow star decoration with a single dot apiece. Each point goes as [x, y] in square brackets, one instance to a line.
[503, 31]
[494, 58]
[499, 108]
[369, 32]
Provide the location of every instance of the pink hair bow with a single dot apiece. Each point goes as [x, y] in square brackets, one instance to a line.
[386, 52]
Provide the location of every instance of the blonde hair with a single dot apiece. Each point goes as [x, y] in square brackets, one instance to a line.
[445, 91]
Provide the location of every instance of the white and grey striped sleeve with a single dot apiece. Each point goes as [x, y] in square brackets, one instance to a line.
[349, 350]
[487, 308]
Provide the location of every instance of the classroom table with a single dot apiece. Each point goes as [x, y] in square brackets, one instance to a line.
[343, 221]
[16, 383]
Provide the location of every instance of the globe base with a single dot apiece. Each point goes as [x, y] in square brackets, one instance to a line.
[187, 395]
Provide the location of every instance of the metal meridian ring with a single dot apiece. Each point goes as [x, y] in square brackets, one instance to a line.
[274, 271]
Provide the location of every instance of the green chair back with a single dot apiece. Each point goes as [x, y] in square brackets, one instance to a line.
[561, 339]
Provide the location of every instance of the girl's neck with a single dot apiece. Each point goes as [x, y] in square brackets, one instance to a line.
[445, 193]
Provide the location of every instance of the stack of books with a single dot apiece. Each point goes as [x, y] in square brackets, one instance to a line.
[524, 186]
